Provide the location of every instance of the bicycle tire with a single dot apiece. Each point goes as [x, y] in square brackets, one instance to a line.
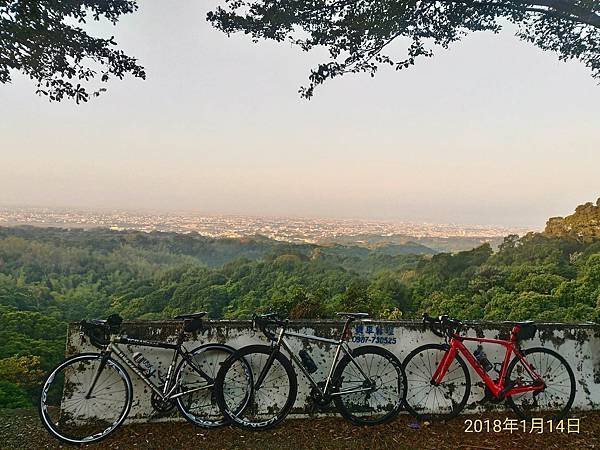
[569, 372]
[208, 419]
[418, 381]
[44, 407]
[348, 411]
[253, 355]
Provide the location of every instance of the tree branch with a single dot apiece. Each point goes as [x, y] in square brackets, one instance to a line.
[569, 7]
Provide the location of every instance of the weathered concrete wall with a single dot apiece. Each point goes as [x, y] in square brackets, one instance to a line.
[579, 344]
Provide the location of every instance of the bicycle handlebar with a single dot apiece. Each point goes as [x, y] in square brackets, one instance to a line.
[99, 331]
[112, 323]
[442, 325]
[263, 320]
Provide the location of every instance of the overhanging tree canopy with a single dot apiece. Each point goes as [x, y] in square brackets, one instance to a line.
[43, 39]
[358, 32]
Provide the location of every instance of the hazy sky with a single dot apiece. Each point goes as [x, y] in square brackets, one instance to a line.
[493, 131]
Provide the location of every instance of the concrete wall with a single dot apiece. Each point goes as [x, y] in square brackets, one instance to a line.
[579, 344]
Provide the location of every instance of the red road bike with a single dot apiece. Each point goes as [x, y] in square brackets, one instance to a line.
[536, 382]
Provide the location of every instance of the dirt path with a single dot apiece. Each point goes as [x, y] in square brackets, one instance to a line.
[21, 429]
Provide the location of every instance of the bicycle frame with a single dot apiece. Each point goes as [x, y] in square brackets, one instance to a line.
[170, 385]
[340, 346]
[499, 389]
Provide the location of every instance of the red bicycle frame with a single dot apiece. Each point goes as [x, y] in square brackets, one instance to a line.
[498, 388]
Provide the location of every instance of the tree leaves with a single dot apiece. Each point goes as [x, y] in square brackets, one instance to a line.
[583, 224]
[357, 33]
[40, 40]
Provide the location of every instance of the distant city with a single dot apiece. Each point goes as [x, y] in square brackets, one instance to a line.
[291, 229]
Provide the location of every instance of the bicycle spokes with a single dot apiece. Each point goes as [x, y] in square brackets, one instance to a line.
[369, 388]
[196, 381]
[271, 394]
[556, 384]
[71, 413]
[427, 399]
[270, 400]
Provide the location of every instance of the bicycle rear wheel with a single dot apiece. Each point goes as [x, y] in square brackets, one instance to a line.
[556, 399]
[425, 400]
[376, 398]
[197, 377]
[73, 416]
[271, 401]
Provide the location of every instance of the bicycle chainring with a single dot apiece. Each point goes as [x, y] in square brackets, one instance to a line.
[490, 397]
[318, 398]
[161, 406]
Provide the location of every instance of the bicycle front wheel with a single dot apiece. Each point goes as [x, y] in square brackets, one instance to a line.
[557, 397]
[197, 399]
[75, 412]
[370, 386]
[270, 383]
[425, 400]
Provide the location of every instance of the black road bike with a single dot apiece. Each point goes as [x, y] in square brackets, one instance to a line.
[88, 396]
[367, 384]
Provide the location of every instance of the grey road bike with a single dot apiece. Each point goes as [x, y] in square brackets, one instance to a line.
[367, 384]
[88, 396]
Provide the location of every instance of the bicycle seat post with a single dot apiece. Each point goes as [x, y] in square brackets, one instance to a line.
[346, 328]
[181, 336]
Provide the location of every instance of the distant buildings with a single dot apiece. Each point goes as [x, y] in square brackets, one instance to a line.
[309, 230]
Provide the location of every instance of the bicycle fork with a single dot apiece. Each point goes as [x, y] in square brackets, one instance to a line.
[269, 363]
[443, 366]
[105, 356]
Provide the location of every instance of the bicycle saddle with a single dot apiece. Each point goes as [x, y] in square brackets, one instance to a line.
[360, 315]
[196, 315]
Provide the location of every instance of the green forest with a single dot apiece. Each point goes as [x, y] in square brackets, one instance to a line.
[50, 276]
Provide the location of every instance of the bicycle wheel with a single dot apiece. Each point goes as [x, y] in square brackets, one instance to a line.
[200, 405]
[428, 401]
[271, 401]
[385, 384]
[556, 399]
[72, 416]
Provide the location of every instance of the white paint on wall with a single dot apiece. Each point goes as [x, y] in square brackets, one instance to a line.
[579, 344]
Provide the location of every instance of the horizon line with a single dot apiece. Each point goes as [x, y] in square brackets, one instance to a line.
[196, 212]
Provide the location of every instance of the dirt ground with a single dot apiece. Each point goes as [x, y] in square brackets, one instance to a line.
[21, 429]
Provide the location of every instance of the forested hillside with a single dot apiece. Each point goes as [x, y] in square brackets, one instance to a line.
[584, 223]
[51, 276]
